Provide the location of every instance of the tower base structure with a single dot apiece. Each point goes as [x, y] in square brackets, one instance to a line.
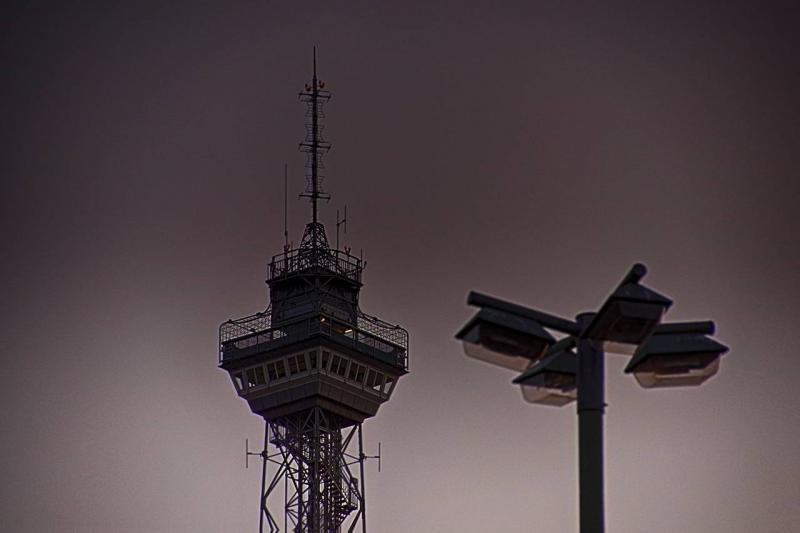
[306, 459]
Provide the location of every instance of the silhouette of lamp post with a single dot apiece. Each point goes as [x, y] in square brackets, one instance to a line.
[573, 368]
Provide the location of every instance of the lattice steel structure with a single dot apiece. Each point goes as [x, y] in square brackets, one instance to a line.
[315, 367]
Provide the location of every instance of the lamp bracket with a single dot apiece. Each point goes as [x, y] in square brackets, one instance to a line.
[545, 319]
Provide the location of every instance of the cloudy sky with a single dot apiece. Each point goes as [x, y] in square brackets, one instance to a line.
[531, 151]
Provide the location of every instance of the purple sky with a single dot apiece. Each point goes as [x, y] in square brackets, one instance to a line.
[533, 152]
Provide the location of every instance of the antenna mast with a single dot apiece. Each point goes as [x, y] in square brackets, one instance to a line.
[285, 207]
[315, 146]
[341, 222]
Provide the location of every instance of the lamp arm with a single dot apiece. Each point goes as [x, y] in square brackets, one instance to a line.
[567, 343]
[545, 319]
[634, 275]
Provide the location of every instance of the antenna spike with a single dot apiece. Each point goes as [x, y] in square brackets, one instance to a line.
[341, 222]
[285, 207]
[315, 147]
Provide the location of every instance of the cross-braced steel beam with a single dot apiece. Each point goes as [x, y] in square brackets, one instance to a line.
[320, 493]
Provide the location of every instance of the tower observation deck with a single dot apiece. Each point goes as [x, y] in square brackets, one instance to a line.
[315, 367]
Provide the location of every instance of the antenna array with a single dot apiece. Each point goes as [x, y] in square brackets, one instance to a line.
[314, 145]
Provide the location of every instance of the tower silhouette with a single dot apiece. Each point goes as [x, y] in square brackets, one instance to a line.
[314, 366]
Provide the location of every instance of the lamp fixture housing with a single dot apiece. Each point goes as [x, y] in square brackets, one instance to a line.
[504, 339]
[628, 317]
[676, 359]
[553, 380]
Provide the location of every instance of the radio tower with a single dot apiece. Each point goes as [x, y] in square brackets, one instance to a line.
[314, 366]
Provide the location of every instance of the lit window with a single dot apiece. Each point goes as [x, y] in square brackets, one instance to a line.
[374, 380]
[387, 388]
[378, 382]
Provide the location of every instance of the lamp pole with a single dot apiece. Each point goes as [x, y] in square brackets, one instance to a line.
[591, 408]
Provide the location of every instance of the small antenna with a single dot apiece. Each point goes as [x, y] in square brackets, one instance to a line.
[378, 457]
[342, 222]
[285, 207]
[263, 455]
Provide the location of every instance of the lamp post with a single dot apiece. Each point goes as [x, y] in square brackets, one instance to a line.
[558, 372]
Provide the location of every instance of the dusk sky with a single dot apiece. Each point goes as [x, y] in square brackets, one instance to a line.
[533, 151]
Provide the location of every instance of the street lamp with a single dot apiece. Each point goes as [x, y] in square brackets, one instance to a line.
[504, 339]
[573, 368]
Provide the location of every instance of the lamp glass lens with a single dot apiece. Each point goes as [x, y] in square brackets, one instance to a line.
[483, 353]
[676, 374]
[550, 388]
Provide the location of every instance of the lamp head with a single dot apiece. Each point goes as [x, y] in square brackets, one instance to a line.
[628, 317]
[553, 380]
[504, 339]
[675, 359]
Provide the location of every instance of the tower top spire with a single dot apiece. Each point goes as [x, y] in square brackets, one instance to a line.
[315, 147]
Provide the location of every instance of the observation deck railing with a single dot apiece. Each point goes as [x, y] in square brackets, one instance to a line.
[297, 260]
[371, 336]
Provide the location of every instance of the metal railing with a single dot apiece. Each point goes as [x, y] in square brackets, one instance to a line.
[371, 336]
[299, 259]
[242, 327]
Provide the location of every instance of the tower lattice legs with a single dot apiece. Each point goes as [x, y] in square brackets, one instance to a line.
[309, 455]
